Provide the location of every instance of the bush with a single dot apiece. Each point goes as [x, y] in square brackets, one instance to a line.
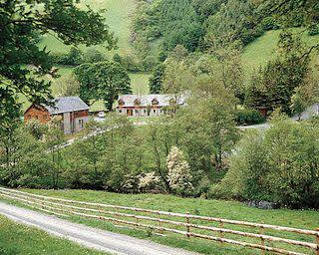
[131, 63]
[149, 182]
[248, 117]
[148, 63]
[269, 23]
[280, 165]
[93, 56]
[179, 176]
[314, 30]
[73, 58]
[58, 58]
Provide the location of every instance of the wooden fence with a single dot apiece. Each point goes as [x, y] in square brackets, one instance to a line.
[178, 223]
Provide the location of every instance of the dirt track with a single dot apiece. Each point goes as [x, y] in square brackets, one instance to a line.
[90, 237]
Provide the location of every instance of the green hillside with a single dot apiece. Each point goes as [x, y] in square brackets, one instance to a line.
[118, 18]
[264, 48]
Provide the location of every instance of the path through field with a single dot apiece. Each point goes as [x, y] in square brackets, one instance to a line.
[90, 237]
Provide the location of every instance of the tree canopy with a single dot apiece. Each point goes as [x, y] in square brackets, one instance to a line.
[102, 81]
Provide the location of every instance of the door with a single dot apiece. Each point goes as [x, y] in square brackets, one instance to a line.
[67, 123]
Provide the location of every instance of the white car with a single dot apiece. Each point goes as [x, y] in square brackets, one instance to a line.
[101, 115]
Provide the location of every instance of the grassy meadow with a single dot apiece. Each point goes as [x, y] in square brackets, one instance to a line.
[263, 49]
[307, 219]
[32, 241]
[118, 18]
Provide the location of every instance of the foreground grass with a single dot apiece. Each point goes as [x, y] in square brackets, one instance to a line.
[307, 219]
[16, 239]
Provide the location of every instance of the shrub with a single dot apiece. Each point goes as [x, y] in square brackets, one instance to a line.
[248, 117]
[131, 63]
[269, 23]
[149, 182]
[58, 58]
[314, 30]
[148, 63]
[117, 58]
[280, 165]
[93, 56]
[179, 176]
[73, 58]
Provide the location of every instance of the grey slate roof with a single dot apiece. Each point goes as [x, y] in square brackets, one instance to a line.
[146, 100]
[67, 104]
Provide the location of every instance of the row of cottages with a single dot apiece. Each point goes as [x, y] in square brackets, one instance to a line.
[146, 105]
[74, 113]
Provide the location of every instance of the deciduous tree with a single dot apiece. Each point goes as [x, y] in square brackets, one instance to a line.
[102, 81]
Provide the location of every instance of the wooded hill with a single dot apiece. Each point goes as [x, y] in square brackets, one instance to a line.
[148, 30]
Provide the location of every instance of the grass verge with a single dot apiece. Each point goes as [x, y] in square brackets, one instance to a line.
[17, 239]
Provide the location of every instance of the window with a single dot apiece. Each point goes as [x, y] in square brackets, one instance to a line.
[155, 101]
[137, 101]
[81, 123]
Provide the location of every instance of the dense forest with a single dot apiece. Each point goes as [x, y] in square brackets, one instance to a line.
[203, 25]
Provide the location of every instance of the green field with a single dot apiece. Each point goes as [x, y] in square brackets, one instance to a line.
[306, 219]
[16, 239]
[263, 49]
[118, 18]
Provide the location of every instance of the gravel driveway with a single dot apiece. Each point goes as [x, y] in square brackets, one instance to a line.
[90, 237]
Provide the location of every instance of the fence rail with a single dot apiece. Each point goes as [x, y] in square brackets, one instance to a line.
[66, 207]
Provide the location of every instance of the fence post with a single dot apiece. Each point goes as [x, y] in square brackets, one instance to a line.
[161, 229]
[160, 224]
[317, 241]
[261, 231]
[221, 234]
[188, 227]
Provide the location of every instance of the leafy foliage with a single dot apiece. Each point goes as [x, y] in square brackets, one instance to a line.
[235, 21]
[24, 157]
[273, 86]
[156, 80]
[248, 117]
[67, 86]
[279, 165]
[102, 81]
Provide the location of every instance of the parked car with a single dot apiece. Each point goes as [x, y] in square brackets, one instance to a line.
[101, 115]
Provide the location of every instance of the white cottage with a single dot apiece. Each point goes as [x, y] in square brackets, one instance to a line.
[146, 105]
